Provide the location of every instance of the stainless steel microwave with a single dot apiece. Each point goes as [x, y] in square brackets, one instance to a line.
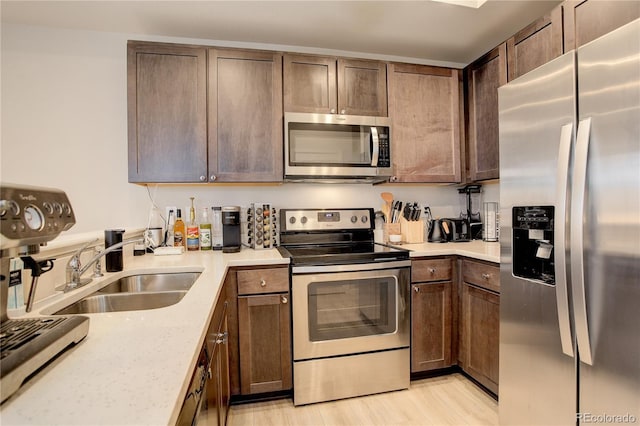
[330, 147]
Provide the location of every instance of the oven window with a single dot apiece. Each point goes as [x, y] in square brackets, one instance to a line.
[352, 308]
[329, 144]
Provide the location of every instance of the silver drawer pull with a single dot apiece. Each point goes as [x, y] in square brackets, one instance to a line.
[284, 299]
[486, 276]
[263, 283]
[416, 289]
[432, 270]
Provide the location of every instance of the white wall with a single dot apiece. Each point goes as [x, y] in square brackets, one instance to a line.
[64, 124]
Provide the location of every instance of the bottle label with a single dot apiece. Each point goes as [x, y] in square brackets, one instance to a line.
[193, 240]
[178, 239]
[205, 239]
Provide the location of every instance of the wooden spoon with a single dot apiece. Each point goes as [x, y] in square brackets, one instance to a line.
[388, 199]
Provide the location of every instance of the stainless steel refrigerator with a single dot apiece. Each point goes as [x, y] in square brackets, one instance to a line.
[570, 237]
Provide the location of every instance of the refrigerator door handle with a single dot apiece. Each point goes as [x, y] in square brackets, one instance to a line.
[577, 240]
[560, 254]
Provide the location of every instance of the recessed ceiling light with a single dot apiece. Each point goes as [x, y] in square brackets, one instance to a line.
[467, 3]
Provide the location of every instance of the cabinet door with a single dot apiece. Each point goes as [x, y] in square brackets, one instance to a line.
[481, 335]
[310, 84]
[430, 326]
[362, 87]
[535, 45]
[424, 105]
[167, 113]
[586, 20]
[484, 76]
[265, 343]
[245, 116]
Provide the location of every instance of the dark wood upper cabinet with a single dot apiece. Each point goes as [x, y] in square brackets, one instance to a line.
[425, 108]
[362, 87]
[328, 85]
[167, 112]
[535, 45]
[204, 115]
[245, 116]
[586, 20]
[484, 76]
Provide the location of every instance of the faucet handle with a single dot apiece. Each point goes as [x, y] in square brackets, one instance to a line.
[97, 266]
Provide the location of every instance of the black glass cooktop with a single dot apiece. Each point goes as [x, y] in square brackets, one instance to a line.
[325, 254]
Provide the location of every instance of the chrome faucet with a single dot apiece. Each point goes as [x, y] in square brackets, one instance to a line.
[75, 269]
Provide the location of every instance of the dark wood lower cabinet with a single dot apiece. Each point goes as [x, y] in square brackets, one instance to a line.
[264, 343]
[431, 334]
[480, 335]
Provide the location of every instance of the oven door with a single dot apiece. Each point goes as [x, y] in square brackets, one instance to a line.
[348, 309]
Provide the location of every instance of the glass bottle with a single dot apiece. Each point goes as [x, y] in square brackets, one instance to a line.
[205, 230]
[178, 230]
[193, 232]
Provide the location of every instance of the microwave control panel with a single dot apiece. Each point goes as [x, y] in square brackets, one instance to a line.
[384, 154]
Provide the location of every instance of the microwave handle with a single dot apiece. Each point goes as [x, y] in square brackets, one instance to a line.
[376, 146]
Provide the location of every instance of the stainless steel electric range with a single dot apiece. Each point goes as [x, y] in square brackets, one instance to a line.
[350, 305]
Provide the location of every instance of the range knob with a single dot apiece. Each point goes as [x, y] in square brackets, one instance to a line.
[364, 219]
[292, 220]
[303, 220]
[354, 219]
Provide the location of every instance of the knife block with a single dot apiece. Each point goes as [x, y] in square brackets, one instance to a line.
[412, 231]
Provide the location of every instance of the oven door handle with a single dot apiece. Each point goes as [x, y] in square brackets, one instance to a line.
[356, 267]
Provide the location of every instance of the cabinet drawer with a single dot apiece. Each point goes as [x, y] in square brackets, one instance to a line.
[256, 281]
[480, 274]
[431, 270]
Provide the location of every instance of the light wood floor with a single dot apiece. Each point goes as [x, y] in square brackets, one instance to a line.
[445, 400]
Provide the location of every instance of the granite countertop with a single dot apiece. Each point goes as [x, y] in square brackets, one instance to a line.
[476, 249]
[134, 367]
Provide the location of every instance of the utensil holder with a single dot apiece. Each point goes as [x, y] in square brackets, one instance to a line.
[391, 229]
[412, 231]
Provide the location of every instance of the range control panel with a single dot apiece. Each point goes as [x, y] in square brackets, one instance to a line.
[324, 219]
[32, 215]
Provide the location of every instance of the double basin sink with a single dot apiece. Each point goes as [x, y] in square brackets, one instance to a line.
[135, 292]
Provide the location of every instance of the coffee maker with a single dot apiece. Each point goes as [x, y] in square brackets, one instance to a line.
[30, 218]
[231, 236]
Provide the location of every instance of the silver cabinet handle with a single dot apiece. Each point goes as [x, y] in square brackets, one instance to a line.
[263, 283]
[343, 111]
[213, 177]
[559, 257]
[333, 111]
[578, 190]
[284, 299]
[416, 289]
[203, 178]
[486, 276]
[432, 271]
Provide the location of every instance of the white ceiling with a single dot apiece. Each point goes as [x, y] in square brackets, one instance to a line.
[413, 31]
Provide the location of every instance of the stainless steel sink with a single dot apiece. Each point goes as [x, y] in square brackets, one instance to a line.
[134, 293]
[152, 282]
[123, 302]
